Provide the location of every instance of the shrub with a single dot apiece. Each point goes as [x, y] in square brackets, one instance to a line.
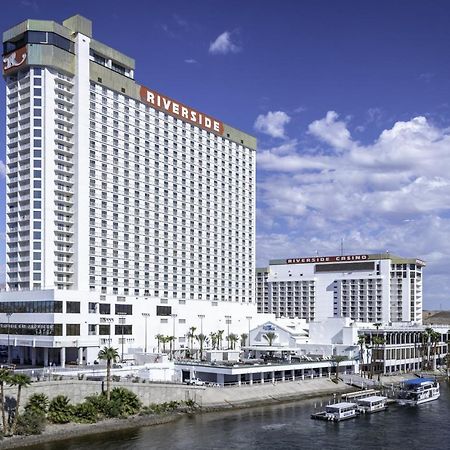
[153, 408]
[161, 408]
[123, 403]
[99, 402]
[85, 413]
[60, 410]
[126, 401]
[37, 403]
[31, 422]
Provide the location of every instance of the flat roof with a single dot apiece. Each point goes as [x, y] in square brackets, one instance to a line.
[373, 398]
[342, 405]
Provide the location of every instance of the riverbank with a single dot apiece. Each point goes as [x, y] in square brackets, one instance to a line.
[215, 399]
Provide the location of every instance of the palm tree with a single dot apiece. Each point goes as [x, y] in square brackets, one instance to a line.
[108, 354]
[191, 337]
[220, 338]
[232, 339]
[213, 337]
[244, 337]
[377, 342]
[5, 375]
[202, 339]
[158, 338]
[361, 343]
[337, 359]
[377, 325]
[270, 336]
[435, 338]
[171, 341]
[164, 341]
[428, 333]
[20, 380]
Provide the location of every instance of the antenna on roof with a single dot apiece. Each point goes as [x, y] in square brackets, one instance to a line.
[342, 247]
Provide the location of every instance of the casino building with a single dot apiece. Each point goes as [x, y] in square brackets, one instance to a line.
[129, 214]
[378, 288]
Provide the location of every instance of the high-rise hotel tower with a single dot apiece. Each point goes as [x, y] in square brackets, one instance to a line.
[129, 214]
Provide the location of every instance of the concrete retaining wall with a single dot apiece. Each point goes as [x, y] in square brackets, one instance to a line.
[77, 390]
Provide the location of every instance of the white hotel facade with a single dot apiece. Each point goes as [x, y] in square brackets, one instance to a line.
[129, 214]
[376, 288]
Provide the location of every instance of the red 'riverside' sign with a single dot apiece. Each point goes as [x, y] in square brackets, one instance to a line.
[325, 259]
[183, 112]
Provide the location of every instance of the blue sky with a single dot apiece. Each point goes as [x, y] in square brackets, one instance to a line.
[349, 101]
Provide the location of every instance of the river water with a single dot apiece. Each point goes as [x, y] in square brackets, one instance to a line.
[285, 426]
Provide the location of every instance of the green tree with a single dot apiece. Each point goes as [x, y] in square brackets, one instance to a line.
[428, 335]
[110, 355]
[220, 338]
[20, 380]
[435, 338]
[377, 342]
[232, 339]
[171, 341]
[191, 336]
[164, 341]
[158, 338]
[202, 339]
[362, 344]
[337, 359]
[5, 375]
[270, 336]
[213, 338]
[244, 337]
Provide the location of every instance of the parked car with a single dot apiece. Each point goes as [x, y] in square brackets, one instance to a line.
[195, 382]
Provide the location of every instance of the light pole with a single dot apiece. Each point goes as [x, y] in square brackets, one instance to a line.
[122, 325]
[249, 318]
[201, 317]
[174, 316]
[9, 314]
[228, 319]
[146, 316]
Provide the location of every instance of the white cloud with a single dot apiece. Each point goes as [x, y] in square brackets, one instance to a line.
[332, 131]
[391, 195]
[2, 169]
[273, 123]
[190, 61]
[223, 45]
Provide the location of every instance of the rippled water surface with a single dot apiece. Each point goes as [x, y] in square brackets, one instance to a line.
[285, 427]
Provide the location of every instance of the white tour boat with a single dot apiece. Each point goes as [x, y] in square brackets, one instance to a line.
[418, 390]
[337, 412]
[372, 404]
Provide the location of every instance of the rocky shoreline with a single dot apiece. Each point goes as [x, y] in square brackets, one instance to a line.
[54, 433]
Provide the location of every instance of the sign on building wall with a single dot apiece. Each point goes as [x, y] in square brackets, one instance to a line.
[14, 59]
[183, 112]
[325, 259]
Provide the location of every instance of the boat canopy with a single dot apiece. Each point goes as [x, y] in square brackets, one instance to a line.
[416, 381]
[341, 405]
[372, 399]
